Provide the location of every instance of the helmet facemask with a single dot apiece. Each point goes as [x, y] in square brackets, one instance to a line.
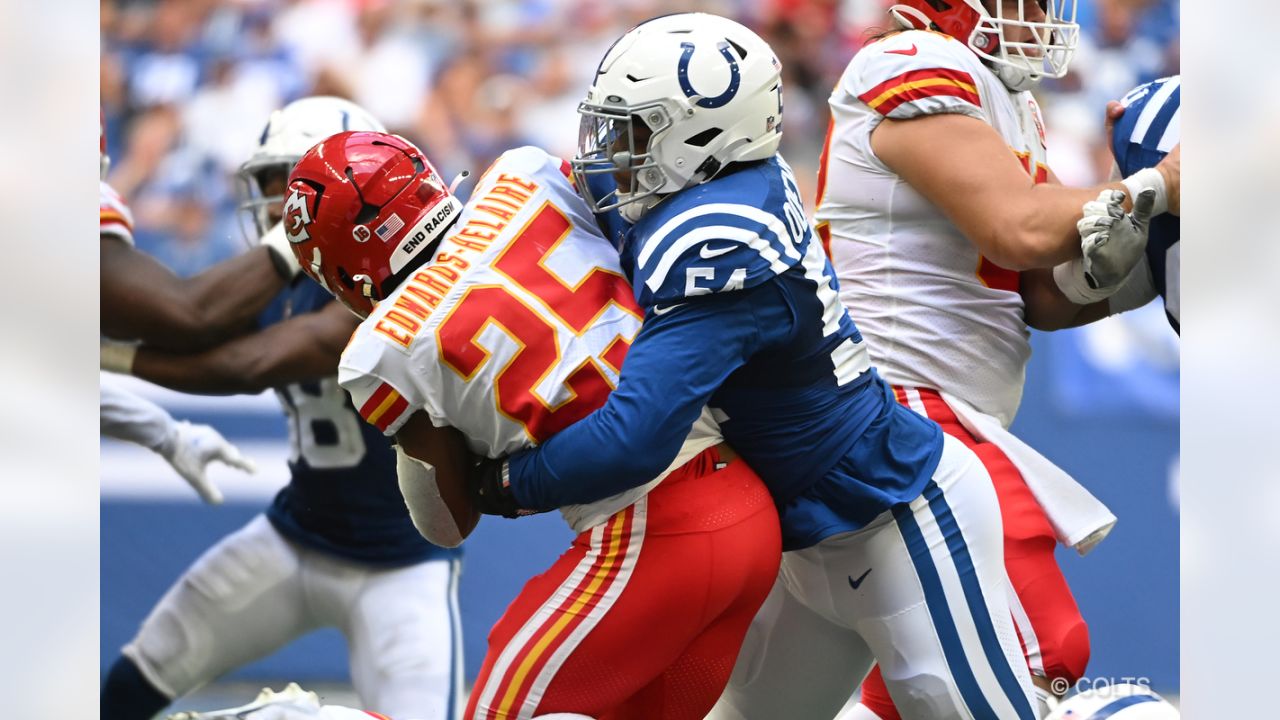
[260, 209]
[1022, 50]
[616, 140]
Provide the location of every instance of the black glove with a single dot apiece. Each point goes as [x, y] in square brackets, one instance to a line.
[491, 492]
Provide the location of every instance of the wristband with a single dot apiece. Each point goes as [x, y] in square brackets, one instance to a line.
[1070, 279]
[118, 357]
[1148, 178]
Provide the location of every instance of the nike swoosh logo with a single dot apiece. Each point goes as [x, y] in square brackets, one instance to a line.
[707, 253]
[664, 310]
[855, 584]
[908, 53]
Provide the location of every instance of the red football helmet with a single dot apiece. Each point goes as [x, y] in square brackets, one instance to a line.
[1021, 47]
[360, 209]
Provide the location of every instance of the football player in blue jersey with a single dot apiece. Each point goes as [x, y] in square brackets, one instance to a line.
[337, 547]
[1148, 129]
[892, 529]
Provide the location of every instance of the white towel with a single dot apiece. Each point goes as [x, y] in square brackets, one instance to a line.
[1079, 519]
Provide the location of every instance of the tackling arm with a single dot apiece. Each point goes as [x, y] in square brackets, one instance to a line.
[304, 347]
[675, 364]
[961, 164]
[144, 300]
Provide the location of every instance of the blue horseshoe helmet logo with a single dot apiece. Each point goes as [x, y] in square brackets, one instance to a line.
[735, 77]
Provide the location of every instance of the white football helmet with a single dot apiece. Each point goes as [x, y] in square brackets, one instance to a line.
[1122, 701]
[289, 134]
[708, 89]
[1019, 50]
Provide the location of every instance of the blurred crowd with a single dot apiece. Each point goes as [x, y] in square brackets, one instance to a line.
[187, 85]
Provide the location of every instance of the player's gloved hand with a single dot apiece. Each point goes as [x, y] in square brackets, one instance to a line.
[491, 490]
[277, 243]
[1111, 241]
[190, 448]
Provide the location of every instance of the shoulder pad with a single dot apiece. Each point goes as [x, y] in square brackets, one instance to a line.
[730, 234]
[383, 396]
[527, 159]
[114, 218]
[915, 73]
[1150, 127]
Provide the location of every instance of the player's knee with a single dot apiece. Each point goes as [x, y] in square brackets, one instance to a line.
[164, 650]
[923, 695]
[1068, 654]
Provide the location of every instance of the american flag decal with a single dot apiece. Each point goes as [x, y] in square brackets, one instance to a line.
[389, 227]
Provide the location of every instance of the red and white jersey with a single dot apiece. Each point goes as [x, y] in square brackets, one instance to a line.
[935, 312]
[515, 329]
[114, 218]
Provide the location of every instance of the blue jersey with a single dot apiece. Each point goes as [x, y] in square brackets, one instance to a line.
[343, 497]
[1150, 127]
[742, 314]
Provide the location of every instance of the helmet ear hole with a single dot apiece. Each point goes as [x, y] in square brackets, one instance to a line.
[704, 137]
[346, 278]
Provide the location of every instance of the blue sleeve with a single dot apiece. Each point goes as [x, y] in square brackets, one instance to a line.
[678, 360]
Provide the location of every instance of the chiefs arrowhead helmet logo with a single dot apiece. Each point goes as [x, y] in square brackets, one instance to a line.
[297, 216]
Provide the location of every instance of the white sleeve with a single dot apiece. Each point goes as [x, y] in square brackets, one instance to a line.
[126, 416]
[912, 74]
[430, 515]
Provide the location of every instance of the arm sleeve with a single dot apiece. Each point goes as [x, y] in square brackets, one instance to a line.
[126, 416]
[427, 508]
[675, 364]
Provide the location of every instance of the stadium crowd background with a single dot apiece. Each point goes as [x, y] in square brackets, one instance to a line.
[187, 85]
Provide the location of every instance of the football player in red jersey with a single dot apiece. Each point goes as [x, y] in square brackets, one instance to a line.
[506, 320]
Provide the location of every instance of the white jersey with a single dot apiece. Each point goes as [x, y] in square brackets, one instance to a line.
[934, 311]
[516, 328]
[114, 218]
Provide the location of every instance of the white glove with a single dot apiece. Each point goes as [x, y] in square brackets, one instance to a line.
[1111, 241]
[282, 255]
[190, 449]
[1111, 245]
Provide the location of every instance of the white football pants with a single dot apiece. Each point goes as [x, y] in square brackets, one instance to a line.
[921, 589]
[255, 591]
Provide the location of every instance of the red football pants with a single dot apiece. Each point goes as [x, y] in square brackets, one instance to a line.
[1053, 633]
[645, 613]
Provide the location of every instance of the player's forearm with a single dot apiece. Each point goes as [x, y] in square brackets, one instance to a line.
[1039, 227]
[598, 457]
[1048, 309]
[679, 359]
[228, 296]
[200, 374]
[143, 300]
